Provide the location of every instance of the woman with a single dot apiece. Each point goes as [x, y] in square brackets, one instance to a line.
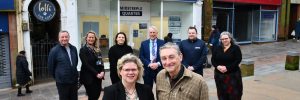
[130, 70]
[23, 73]
[92, 69]
[116, 52]
[214, 37]
[226, 59]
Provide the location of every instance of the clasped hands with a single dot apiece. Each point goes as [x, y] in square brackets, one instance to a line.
[100, 75]
[222, 68]
[153, 66]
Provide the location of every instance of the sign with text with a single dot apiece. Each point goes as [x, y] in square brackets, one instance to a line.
[131, 11]
[134, 10]
[44, 10]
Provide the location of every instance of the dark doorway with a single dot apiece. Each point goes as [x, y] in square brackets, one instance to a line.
[43, 37]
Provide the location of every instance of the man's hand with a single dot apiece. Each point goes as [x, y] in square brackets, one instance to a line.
[153, 66]
[100, 75]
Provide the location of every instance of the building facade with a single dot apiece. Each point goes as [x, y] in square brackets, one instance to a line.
[248, 20]
[40, 21]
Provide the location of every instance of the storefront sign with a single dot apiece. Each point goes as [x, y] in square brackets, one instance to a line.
[266, 2]
[134, 10]
[4, 22]
[44, 10]
[131, 11]
[7, 5]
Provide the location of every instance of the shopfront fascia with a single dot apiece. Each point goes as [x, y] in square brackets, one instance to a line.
[135, 17]
[247, 22]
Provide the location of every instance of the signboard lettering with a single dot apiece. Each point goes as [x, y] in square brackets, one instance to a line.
[131, 11]
[44, 10]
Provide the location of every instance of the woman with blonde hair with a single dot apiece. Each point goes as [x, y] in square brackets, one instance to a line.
[92, 68]
[130, 70]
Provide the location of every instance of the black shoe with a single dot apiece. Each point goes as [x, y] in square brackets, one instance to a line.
[28, 91]
[20, 94]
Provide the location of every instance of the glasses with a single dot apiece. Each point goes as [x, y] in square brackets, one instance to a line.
[224, 39]
[128, 70]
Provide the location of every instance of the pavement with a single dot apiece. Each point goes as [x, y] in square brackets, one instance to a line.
[270, 81]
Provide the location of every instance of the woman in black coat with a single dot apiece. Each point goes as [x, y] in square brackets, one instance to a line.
[92, 68]
[23, 73]
[116, 52]
[226, 59]
[130, 70]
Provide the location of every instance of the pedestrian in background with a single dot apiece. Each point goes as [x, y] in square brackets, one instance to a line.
[194, 52]
[23, 73]
[149, 55]
[116, 52]
[175, 82]
[168, 38]
[226, 59]
[130, 70]
[297, 30]
[214, 37]
[62, 65]
[92, 68]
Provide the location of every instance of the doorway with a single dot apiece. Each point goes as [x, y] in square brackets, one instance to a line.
[43, 36]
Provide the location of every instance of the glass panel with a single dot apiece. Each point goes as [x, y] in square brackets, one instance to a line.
[243, 23]
[268, 26]
[176, 20]
[256, 18]
[223, 19]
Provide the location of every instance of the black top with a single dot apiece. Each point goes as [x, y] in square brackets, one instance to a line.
[89, 69]
[117, 92]
[116, 52]
[23, 73]
[231, 58]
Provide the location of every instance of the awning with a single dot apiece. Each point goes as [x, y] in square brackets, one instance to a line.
[262, 2]
[4, 22]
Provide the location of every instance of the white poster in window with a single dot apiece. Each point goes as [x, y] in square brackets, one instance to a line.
[174, 26]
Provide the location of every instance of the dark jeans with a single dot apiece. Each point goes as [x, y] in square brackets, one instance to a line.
[67, 91]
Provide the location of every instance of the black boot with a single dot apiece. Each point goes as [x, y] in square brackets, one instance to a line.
[27, 89]
[20, 92]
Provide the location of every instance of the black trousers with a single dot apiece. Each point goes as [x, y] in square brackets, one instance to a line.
[114, 75]
[20, 89]
[67, 91]
[93, 90]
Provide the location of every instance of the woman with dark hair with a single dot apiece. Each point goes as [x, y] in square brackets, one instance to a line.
[116, 52]
[226, 59]
[23, 73]
[214, 37]
[92, 68]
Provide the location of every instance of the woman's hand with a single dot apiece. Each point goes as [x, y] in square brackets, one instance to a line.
[222, 68]
[100, 75]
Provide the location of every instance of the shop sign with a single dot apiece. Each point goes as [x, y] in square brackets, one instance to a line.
[4, 22]
[7, 5]
[266, 2]
[44, 10]
[295, 1]
[131, 11]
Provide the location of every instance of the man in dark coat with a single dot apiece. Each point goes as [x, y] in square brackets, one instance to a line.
[23, 73]
[62, 65]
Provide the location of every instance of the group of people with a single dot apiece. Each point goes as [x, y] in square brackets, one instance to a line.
[177, 70]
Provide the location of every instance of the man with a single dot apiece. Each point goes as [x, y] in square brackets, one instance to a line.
[194, 52]
[149, 55]
[62, 63]
[175, 82]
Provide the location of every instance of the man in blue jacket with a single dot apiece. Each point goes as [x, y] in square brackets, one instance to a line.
[149, 55]
[62, 63]
[194, 52]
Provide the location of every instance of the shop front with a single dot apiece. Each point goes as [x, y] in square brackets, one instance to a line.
[248, 20]
[108, 17]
